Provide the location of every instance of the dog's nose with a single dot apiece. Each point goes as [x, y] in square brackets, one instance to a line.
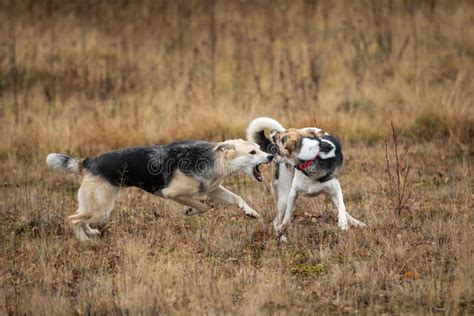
[270, 157]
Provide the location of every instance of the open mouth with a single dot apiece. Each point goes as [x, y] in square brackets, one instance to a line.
[256, 173]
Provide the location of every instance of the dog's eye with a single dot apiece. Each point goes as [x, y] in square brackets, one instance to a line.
[253, 152]
[284, 139]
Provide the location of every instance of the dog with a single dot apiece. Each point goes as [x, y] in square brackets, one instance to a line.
[308, 163]
[178, 171]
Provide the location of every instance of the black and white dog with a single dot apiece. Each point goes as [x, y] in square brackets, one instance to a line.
[308, 163]
[178, 171]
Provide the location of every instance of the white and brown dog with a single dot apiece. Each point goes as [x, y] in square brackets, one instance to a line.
[179, 171]
[308, 163]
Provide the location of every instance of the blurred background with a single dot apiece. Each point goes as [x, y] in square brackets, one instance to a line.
[86, 77]
[89, 76]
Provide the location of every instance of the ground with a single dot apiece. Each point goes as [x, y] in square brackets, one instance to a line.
[150, 257]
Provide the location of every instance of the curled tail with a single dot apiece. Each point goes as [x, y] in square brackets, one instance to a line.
[63, 163]
[256, 132]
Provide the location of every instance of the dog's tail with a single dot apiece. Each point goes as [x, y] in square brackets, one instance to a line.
[63, 163]
[256, 132]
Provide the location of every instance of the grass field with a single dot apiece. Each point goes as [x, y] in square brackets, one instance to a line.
[85, 77]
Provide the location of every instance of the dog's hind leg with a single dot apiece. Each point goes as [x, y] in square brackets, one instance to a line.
[195, 206]
[76, 223]
[355, 222]
[344, 218]
[352, 220]
[90, 231]
[96, 198]
[224, 195]
[333, 188]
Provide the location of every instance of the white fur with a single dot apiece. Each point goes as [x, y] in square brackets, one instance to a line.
[293, 183]
[56, 162]
[309, 149]
[317, 130]
[260, 124]
[302, 185]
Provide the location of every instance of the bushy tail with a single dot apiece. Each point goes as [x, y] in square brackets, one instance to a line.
[63, 163]
[256, 132]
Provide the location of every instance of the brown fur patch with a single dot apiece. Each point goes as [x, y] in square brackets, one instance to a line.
[289, 141]
[180, 185]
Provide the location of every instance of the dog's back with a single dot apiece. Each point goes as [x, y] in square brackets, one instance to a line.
[152, 168]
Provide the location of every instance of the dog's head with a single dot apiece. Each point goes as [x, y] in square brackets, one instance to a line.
[290, 144]
[243, 155]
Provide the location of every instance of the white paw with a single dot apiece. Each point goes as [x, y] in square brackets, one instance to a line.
[283, 238]
[83, 238]
[280, 229]
[343, 224]
[360, 224]
[356, 223]
[275, 226]
[252, 213]
[94, 232]
[191, 211]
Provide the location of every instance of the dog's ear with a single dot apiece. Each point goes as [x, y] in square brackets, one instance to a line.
[314, 133]
[223, 147]
[226, 149]
[274, 135]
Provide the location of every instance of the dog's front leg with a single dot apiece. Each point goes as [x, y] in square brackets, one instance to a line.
[289, 211]
[282, 204]
[224, 195]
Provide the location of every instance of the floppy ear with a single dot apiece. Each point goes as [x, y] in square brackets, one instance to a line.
[315, 133]
[227, 149]
[274, 135]
[290, 144]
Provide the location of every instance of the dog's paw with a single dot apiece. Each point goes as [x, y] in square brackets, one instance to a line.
[356, 223]
[84, 239]
[93, 232]
[280, 229]
[275, 227]
[191, 211]
[360, 224]
[343, 224]
[252, 214]
[280, 236]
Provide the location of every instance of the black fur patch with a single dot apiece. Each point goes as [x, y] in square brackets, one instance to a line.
[265, 144]
[276, 171]
[151, 168]
[324, 169]
[64, 160]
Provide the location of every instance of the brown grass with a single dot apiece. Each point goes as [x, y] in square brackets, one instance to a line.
[84, 77]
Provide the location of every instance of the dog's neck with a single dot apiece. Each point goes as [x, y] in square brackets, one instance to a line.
[305, 165]
[224, 168]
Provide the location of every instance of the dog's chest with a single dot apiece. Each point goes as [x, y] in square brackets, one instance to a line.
[209, 185]
[306, 185]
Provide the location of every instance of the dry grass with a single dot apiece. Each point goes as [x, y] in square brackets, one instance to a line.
[85, 77]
